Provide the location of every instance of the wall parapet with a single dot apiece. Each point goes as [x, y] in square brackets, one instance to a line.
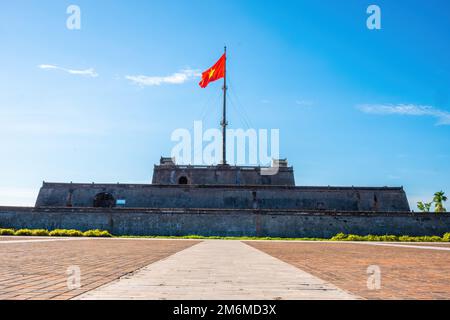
[226, 222]
[223, 196]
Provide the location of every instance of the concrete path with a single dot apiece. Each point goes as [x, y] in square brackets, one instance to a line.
[406, 246]
[220, 270]
[41, 240]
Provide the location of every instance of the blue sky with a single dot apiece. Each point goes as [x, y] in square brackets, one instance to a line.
[354, 106]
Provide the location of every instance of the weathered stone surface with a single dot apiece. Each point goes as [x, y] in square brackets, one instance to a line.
[221, 175]
[221, 222]
[227, 197]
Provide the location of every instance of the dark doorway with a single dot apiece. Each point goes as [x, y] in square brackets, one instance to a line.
[104, 200]
[183, 180]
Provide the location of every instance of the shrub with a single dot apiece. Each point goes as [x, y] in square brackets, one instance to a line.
[431, 239]
[23, 232]
[74, 233]
[371, 237]
[354, 237]
[388, 238]
[446, 237]
[407, 239]
[97, 233]
[339, 237]
[40, 233]
[66, 233]
[6, 232]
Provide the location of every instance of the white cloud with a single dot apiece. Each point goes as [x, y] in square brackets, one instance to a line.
[88, 72]
[176, 78]
[443, 117]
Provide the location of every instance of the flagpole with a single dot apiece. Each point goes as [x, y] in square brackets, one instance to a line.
[224, 116]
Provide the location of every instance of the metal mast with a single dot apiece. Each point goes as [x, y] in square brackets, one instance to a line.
[224, 122]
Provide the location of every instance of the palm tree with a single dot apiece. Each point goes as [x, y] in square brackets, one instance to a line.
[424, 206]
[439, 199]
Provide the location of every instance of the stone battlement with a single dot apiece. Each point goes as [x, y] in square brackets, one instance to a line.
[223, 196]
[222, 187]
[168, 173]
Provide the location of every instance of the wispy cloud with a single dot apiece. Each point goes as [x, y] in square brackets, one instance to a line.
[304, 103]
[176, 78]
[88, 72]
[443, 117]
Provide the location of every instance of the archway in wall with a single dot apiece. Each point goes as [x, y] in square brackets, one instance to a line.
[183, 180]
[104, 200]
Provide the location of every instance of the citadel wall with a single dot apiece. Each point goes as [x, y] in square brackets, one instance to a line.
[216, 222]
[225, 197]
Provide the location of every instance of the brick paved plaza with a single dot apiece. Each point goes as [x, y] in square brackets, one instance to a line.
[36, 268]
[406, 273]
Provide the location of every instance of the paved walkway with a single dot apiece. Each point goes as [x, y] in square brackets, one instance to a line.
[405, 271]
[41, 268]
[219, 270]
[37, 268]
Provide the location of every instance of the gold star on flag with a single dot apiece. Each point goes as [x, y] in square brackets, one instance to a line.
[211, 73]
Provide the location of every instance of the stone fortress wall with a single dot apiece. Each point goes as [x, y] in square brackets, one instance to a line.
[221, 222]
[167, 173]
[225, 197]
[224, 201]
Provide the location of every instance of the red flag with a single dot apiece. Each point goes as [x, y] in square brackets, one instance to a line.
[214, 73]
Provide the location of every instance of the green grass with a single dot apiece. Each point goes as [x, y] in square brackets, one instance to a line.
[221, 238]
[338, 237]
